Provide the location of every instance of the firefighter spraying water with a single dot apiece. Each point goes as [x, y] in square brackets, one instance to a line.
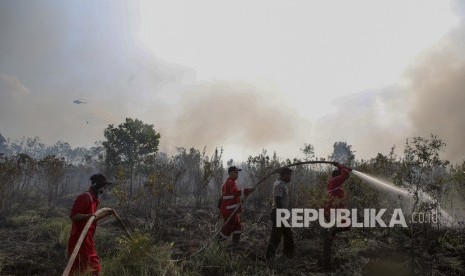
[84, 214]
[335, 201]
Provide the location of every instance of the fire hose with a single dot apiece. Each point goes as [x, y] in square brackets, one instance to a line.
[270, 174]
[92, 218]
[245, 198]
[84, 232]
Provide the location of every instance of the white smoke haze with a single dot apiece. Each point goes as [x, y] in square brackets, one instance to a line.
[229, 112]
[371, 121]
[12, 85]
[428, 100]
[437, 93]
[57, 52]
[54, 55]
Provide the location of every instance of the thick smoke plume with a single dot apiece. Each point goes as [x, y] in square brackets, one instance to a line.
[437, 94]
[220, 112]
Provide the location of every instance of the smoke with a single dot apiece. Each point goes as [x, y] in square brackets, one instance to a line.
[227, 112]
[371, 121]
[55, 52]
[12, 85]
[428, 100]
[80, 51]
[437, 93]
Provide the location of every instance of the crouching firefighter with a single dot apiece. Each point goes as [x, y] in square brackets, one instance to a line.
[229, 202]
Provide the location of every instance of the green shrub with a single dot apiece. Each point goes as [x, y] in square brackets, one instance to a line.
[139, 256]
[27, 218]
[57, 229]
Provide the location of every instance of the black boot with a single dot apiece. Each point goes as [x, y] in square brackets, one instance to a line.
[236, 239]
[220, 238]
[327, 244]
[270, 252]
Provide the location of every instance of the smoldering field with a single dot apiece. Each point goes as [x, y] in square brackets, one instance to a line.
[169, 200]
[172, 211]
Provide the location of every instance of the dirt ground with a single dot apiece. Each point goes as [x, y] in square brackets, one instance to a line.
[34, 243]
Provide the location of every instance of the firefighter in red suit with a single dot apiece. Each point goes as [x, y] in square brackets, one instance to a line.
[335, 189]
[84, 207]
[335, 201]
[230, 200]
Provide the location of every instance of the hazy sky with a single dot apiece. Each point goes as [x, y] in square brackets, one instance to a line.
[245, 75]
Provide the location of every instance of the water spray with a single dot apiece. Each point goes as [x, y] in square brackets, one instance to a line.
[380, 182]
[449, 221]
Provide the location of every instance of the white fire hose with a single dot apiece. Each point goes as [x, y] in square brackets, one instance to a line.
[83, 235]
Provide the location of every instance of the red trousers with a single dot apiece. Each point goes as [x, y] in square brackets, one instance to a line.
[86, 262]
[232, 227]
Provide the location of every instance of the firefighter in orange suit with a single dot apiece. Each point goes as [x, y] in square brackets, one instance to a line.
[230, 205]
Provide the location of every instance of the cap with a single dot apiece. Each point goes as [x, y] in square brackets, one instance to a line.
[233, 169]
[285, 170]
[99, 178]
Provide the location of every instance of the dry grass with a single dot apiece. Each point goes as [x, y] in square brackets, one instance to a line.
[34, 243]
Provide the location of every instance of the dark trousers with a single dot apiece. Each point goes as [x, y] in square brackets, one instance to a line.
[275, 239]
[329, 236]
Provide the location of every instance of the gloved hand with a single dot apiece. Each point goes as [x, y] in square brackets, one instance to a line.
[335, 164]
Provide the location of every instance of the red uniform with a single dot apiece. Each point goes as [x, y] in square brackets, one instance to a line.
[87, 259]
[335, 201]
[230, 199]
[335, 190]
